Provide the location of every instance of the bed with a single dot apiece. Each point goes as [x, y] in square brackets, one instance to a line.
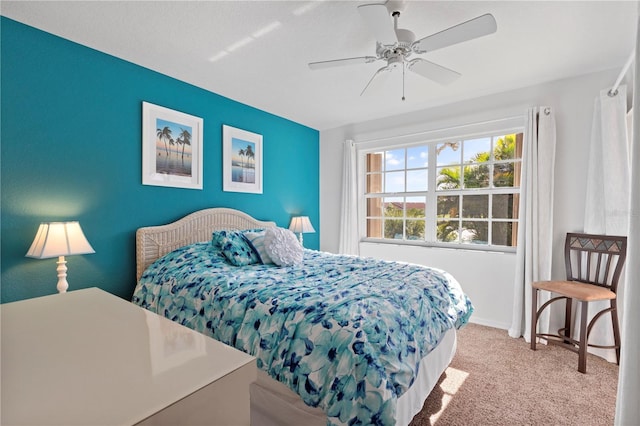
[338, 339]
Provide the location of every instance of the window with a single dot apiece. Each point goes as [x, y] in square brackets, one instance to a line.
[445, 192]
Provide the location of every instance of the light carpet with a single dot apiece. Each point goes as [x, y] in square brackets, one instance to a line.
[497, 380]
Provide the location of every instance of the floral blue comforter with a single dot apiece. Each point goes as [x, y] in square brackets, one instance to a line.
[345, 333]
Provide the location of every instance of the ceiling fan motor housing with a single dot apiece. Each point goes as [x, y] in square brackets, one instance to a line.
[400, 50]
[405, 38]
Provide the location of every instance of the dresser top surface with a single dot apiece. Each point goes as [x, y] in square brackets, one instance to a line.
[88, 357]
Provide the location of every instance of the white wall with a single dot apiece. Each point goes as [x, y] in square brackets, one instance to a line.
[486, 277]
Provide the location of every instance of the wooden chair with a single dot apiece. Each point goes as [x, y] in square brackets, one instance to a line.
[594, 264]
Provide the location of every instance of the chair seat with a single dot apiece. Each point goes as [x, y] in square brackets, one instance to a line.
[576, 290]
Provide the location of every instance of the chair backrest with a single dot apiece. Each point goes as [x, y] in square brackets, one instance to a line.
[595, 259]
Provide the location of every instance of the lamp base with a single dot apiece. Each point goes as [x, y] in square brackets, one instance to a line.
[63, 285]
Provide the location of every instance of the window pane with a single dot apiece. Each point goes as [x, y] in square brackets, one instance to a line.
[417, 157]
[394, 207]
[476, 176]
[448, 206]
[503, 175]
[475, 206]
[447, 231]
[502, 234]
[415, 206]
[374, 183]
[448, 153]
[416, 180]
[474, 232]
[394, 160]
[505, 148]
[394, 182]
[374, 207]
[374, 228]
[448, 178]
[393, 229]
[477, 150]
[503, 205]
[415, 229]
[374, 162]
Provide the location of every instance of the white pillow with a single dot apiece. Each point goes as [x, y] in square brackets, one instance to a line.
[282, 246]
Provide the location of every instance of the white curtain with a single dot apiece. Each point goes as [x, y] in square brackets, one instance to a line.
[349, 236]
[628, 408]
[535, 229]
[607, 198]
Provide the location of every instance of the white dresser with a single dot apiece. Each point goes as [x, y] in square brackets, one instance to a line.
[87, 357]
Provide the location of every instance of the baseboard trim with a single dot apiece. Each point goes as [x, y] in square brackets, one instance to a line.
[489, 323]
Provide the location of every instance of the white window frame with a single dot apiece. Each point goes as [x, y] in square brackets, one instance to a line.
[432, 138]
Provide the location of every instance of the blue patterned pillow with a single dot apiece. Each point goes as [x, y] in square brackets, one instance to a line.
[256, 239]
[235, 247]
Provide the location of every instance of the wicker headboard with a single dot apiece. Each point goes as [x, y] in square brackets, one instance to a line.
[153, 242]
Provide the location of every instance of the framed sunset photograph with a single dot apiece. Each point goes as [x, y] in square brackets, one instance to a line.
[171, 148]
[242, 160]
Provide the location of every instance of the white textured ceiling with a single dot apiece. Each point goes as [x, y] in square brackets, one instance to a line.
[269, 44]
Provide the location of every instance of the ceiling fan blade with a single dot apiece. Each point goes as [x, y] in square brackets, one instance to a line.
[432, 71]
[380, 77]
[474, 28]
[341, 62]
[378, 19]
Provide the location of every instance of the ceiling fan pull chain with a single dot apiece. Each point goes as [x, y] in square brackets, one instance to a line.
[404, 67]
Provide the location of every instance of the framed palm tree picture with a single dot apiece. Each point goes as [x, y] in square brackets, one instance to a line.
[241, 160]
[171, 148]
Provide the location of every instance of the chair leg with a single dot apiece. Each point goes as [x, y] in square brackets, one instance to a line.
[568, 323]
[582, 350]
[534, 316]
[616, 328]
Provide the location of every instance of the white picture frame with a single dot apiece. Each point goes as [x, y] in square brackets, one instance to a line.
[171, 148]
[241, 160]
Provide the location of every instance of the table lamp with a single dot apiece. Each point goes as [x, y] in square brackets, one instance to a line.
[301, 225]
[59, 239]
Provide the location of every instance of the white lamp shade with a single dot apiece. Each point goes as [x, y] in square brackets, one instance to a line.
[301, 224]
[59, 239]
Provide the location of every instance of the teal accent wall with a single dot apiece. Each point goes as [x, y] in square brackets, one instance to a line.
[71, 149]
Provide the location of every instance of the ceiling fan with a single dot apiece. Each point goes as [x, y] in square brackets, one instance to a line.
[395, 45]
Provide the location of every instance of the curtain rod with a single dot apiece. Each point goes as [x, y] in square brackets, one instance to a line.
[614, 89]
[426, 132]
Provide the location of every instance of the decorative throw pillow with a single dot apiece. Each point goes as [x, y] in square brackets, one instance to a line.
[235, 248]
[256, 239]
[282, 246]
